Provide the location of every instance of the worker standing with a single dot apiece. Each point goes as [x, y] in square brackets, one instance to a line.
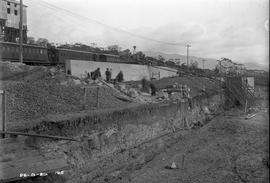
[96, 74]
[108, 75]
[153, 89]
[120, 77]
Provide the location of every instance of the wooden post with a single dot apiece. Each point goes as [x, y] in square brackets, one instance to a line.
[84, 98]
[3, 113]
[97, 97]
[183, 161]
[246, 106]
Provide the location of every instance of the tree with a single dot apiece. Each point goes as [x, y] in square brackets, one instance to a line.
[183, 66]
[161, 58]
[114, 49]
[216, 70]
[31, 40]
[194, 65]
[125, 52]
[134, 49]
[42, 42]
[140, 56]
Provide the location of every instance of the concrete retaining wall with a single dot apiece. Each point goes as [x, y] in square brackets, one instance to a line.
[162, 72]
[125, 138]
[132, 72]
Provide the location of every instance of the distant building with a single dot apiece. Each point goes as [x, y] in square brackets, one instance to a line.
[10, 19]
[254, 72]
[226, 66]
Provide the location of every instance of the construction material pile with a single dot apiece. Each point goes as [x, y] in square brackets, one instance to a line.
[173, 89]
[35, 92]
[197, 85]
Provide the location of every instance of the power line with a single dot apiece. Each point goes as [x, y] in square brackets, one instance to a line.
[48, 5]
[203, 60]
[70, 21]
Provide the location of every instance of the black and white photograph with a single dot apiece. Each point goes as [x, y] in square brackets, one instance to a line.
[134, 91]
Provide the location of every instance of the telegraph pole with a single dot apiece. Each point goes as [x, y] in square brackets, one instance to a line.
[21, 31]
[203, 63]
[188, 55]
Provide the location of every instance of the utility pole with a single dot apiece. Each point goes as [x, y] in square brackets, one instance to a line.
[188, 55]
[21, 31]
[203, 60]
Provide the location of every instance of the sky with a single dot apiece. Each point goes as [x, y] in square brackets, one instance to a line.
[235, 29]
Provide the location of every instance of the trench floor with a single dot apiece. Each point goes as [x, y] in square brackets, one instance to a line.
[230, 148]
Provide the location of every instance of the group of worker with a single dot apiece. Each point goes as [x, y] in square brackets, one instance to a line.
[108, 73]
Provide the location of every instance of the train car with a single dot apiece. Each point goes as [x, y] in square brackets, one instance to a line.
[108, 58]
[68, 54]
[37, 55]
[65, 54]
[32, 55]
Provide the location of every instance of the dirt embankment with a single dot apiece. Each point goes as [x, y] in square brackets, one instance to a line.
[35, 92]
[229, 149]
[111, 141]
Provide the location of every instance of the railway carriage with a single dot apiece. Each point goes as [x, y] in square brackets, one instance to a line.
[33, 55]
[37, 55]
[108, 58]
[67, 54]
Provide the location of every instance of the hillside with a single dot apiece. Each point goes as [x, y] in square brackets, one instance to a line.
[210, 63]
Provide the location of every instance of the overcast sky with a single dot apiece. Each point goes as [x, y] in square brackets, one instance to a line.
[235, 29]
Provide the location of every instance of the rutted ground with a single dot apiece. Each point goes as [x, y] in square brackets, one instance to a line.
[229, 149]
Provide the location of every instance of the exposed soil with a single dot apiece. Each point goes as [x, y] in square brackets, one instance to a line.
[228, 149]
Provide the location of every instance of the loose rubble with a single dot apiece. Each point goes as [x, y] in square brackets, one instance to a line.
[34, 92]
[37, 91]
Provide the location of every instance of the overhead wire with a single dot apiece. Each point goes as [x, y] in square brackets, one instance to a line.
[70, 22]
[90, 20]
